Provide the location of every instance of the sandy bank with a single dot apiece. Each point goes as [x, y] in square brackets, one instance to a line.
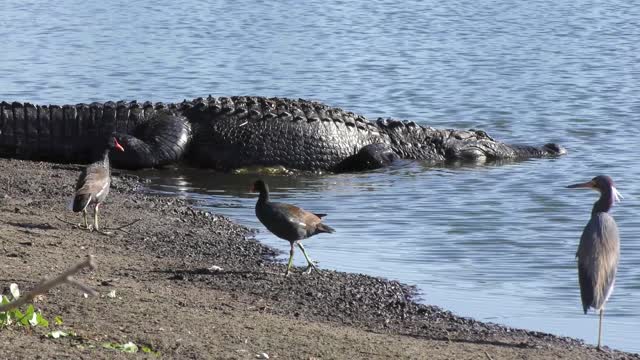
[167, 298]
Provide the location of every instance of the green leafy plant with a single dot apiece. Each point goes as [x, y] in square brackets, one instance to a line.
[30, 317]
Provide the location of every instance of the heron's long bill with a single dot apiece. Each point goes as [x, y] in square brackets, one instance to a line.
[617, 197]
[586, 185]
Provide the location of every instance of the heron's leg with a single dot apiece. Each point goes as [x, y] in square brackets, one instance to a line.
[290, 260]
[600, 329]
[310, 264]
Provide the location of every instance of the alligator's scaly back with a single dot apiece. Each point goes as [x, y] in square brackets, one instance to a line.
[299, 134]
[152, 134]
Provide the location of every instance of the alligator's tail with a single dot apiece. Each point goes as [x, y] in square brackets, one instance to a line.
[153, 135]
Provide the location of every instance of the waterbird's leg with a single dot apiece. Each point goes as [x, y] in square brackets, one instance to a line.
[86, 222]
[290, 260]
[600, 329]
[95, 221]
[95, 217]
[310, 263]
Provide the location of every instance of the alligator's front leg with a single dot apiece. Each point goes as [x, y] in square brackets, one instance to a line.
[373, 156]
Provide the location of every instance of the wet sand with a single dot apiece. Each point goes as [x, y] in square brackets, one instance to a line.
[168, 297]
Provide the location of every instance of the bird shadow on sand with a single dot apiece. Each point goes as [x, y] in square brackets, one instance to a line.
[504, 344]
[183, 274]
[26, 225]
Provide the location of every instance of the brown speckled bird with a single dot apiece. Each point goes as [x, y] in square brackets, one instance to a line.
[93, 184]
[288, 222]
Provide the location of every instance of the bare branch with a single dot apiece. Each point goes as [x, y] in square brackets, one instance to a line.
[47, 285]
[81, 286]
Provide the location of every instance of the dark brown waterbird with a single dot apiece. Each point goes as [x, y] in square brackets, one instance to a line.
[93, 184]
[288, 222]
[599, 249]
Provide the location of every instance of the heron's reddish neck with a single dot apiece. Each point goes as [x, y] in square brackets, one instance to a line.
[264, 195]
[605, 202]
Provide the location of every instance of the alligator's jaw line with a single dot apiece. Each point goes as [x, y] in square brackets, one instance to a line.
[229, 133]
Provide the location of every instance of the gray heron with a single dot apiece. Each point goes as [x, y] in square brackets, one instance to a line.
[599, 249]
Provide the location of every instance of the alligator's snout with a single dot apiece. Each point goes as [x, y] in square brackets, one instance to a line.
[555, 149]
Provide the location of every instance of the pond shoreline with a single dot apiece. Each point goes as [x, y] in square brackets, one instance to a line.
[170, 297]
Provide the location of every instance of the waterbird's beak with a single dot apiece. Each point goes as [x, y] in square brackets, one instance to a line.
[117, 145]
[586, 185]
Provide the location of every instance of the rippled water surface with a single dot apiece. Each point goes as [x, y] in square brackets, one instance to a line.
[494, 242]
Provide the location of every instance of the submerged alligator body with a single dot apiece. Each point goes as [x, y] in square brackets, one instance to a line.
[226, 133]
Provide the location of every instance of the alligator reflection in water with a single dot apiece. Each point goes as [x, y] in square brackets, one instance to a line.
[234, 132]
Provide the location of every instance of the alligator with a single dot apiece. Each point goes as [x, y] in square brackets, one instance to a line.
[228, 133]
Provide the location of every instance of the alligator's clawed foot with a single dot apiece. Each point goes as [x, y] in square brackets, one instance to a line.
[555, 149]
[373, 156]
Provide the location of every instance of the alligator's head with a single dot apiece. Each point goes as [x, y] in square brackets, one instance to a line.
[548, 149]
[412, 141]
[483, 147]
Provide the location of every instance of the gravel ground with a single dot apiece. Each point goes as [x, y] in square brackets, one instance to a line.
[158, 289]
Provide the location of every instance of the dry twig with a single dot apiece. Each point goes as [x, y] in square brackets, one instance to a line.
[120, 228]
[124, 226]
[64, 278]
[65, 221]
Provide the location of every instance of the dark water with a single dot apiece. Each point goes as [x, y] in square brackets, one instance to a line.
[493, 242]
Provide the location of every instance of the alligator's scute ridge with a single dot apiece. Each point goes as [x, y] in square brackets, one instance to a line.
[238, 131]
[154, 136]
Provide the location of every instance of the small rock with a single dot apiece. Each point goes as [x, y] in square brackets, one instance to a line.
[262, 356]
[107, 282]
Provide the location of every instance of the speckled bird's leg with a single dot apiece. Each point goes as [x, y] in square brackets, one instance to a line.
[95, 217]
[95, 221]
[86, 225]
[290, 260]
[310, 264]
